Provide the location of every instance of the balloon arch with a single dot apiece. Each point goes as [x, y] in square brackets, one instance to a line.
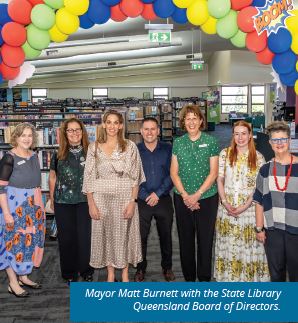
[28, 26]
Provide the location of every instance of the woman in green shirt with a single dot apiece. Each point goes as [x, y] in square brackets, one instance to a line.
[194, 170]
[69, 203]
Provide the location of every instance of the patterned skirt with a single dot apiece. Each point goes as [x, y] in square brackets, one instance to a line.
[22, 246]
[239, 257]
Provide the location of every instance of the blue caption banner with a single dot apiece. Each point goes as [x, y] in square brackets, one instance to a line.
[184, 302]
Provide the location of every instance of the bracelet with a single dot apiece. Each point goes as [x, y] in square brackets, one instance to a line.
[200, 191]
[223, 201]
[134, 200]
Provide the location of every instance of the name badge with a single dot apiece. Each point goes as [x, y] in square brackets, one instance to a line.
[203, 145]
[21, 162]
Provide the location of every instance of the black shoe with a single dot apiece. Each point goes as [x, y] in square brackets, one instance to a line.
[168, 275]
[22, 295]
[34, 286]
[88, 278]
[139, 276]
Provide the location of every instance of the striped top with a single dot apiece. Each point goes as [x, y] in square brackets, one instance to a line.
[280, 208]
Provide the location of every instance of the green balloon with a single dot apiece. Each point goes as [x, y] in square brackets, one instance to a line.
[55, 4]
[37, 38]
[30, 52]
[227, 27]
[43, 17]
[219, 8]
[239, 39]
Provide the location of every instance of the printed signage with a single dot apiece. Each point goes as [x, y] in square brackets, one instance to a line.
[160, 36]
[272, 16]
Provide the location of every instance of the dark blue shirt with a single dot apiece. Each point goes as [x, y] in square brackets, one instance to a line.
[156, 165]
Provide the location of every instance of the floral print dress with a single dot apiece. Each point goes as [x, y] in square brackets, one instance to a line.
[238, 255]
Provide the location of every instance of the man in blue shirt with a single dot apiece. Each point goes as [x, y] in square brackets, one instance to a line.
[154, 198]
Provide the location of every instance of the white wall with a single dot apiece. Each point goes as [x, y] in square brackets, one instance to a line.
[75, 93]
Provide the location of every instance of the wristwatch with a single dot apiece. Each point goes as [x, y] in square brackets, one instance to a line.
[259, 229]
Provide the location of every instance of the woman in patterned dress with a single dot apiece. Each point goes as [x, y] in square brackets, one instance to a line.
[113, 173]
[22, 217]
[238, 255]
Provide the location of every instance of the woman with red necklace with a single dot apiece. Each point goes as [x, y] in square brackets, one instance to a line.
[276, 196]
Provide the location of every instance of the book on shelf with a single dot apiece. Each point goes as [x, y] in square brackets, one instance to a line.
[45, 181]
[44, 157]
[92, 132]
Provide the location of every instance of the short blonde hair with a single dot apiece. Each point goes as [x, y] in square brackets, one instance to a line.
[191, 108]
[18, 131]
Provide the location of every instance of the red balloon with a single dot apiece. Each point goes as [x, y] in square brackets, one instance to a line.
[9, 73]
[148, 12]
[12, 56]
[244, 19]
[117, 14]
[131, 8]
[256, 43]
[20, 11]
[14, 34]
[35, 2]
[240, 4]
[265, 56]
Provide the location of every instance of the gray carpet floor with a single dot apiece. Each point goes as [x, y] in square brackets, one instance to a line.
[51, 303]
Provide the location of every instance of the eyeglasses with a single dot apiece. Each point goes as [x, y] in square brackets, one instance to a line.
[277, 141]
[72, 131]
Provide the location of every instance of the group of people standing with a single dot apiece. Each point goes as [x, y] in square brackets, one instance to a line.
[105, 195]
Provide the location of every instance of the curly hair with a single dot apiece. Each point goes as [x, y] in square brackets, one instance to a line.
[277, 126]
[18, 131]
[63, 142]
[191, 108]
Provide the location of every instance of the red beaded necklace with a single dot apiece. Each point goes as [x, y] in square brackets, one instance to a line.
[287, 177]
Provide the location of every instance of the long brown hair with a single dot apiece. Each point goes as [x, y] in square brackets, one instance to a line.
[63, 141]
[102, 134]
[252, 154]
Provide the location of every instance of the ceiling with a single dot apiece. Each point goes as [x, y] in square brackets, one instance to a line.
[125, 44]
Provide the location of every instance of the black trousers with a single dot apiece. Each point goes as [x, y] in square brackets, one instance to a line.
[74, 239]
[281, 251]
[163, 215]
[192, 225]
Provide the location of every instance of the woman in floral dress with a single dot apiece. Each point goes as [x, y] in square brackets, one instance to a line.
[22, 217]
[113, 173]
[238, 255]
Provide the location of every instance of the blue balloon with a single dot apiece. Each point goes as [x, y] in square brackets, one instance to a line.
[289, 79]
[98, 12]
[148, 1]
[110, 3]
[85, 22]
[280, 42]
[4, 17]
[258, 3]
[284, 63]
[1, 39]
[164, 8]
[179, 15]
[1, 78]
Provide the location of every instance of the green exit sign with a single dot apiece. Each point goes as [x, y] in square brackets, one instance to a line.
[159, 36]
[197, 66]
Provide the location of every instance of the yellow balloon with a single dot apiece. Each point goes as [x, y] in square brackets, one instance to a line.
[77, 7]
[209, 27]
[292, 22]
[183, 3]
[56, 35]
[294, 45]
[197, 13]
[297, 66]
[66, 22]
[296, 87]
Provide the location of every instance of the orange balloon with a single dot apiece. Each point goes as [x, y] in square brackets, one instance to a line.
[9, 73]
[265, 56]
[148, 12]
[117, 14]
[132, 8]
[256, 43]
